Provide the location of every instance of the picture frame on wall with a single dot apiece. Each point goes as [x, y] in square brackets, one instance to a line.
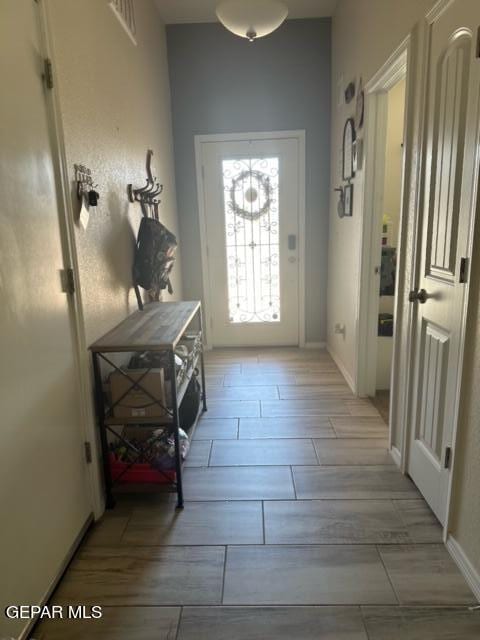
[347, 149]
[348, 200]
[357, 155]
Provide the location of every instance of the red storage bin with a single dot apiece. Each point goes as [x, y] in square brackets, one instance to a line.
[138, 473]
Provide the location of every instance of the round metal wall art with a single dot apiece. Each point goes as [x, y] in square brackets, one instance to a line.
[249, 185]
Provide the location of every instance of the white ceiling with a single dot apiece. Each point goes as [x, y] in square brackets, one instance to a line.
[173, 11]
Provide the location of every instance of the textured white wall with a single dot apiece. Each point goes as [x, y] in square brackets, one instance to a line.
[364, 34]
[115, 100]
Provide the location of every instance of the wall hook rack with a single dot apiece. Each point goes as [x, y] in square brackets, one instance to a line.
[85, 186]
[147, 196]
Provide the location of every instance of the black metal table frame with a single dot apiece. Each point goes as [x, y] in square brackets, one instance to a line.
[104, 412]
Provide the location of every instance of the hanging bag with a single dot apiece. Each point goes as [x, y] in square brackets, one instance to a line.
[154, 257]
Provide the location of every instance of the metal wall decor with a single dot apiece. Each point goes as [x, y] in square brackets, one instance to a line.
[347, 149]
[85, 187]
[350, 92]
[251, 208]
[259, 182]
[147, 196]
[360, 106]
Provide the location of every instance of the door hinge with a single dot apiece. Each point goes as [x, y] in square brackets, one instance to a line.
[88, 452]
[448, 457]
[48, 73]
[68, 281]
[463, 270]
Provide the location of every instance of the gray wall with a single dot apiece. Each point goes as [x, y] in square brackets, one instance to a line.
[223, 84]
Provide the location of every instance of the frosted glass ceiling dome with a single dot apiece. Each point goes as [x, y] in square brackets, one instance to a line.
[251, 19]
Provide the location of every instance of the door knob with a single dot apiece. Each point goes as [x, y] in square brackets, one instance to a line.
[418, 296]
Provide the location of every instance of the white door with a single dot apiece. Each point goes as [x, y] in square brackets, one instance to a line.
[448, 209]
[44, 493]
[251, 191]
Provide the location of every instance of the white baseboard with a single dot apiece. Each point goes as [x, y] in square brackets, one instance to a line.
[315, 345]
[342, 368]
[467, 569]
[397, 456]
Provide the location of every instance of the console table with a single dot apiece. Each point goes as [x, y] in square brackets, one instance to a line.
[158, 328]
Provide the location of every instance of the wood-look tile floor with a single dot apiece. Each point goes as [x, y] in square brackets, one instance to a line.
[297, 524]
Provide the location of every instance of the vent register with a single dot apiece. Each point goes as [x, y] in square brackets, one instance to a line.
[125, 13]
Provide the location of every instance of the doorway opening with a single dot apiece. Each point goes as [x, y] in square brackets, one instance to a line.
[381, 267]
[387, 250]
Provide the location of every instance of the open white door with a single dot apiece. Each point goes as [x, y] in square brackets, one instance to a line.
[44, 491]
[448, 208]
[251, 195]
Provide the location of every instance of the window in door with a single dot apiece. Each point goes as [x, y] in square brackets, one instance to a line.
[251, 207]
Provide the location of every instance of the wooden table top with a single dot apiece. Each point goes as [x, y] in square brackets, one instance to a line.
[159, 326]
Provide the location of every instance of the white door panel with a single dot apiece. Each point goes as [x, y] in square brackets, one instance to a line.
[451, 127]
[44, 494]
[252, 216]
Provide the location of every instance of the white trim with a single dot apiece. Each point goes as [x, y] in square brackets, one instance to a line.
[414, 140]
[298, 135]
[368, 300]
[202, 220]
[392, 71]
[302, 239]
[343, 370]
[467, 569]
[396, 456]
[315, 345]
[68, 238]
[438, 8]
[251, 135]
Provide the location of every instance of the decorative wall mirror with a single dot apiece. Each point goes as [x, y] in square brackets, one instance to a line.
[347, 149]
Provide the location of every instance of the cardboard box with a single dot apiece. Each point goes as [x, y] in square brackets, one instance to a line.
[137, 404]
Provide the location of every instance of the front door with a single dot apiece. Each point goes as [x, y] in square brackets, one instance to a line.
[251, 190]
[44, 491]
[451, 127]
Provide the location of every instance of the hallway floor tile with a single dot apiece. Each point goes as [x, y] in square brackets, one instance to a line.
[333, 522]
[356, 482]
[306, 575]
[272, 623]
[297, 525]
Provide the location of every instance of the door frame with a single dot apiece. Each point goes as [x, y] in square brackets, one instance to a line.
[200, 140]
[415, 246]
[396, 68]
[67, 233]
[408, 265]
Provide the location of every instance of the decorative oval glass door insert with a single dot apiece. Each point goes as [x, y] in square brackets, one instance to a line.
[252, 239]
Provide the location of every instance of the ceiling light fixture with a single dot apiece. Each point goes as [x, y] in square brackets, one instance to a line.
[251, 19]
